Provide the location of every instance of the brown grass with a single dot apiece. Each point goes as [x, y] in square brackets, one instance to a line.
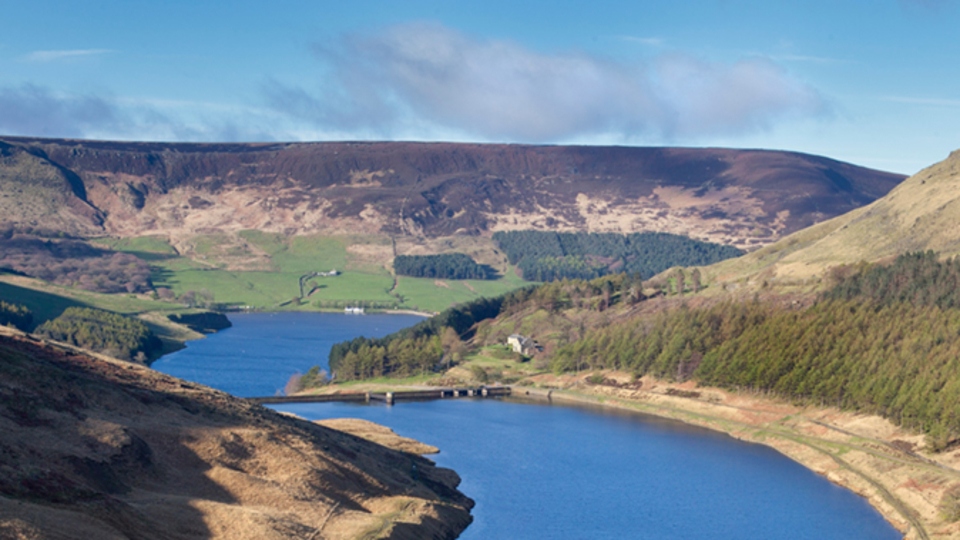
[100, 448]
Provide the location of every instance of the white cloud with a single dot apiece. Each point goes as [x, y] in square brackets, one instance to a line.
[52, 56]
[427, 74]
[36, 111]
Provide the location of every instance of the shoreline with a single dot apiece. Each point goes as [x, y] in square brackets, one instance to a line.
[370, 311]
[175, 341]
[829, 448]
[865, 454]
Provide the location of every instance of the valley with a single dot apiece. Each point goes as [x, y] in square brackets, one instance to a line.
[590, 332]
[864, 334]
[235, 226]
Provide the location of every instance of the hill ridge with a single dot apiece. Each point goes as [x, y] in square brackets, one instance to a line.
[920, 214]
[746, 198]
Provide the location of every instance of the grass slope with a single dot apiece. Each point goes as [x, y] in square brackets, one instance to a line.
[428, 294]
[44, 306]
[47, 302]
[919, 214]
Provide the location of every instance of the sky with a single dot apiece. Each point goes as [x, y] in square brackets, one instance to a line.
[872, 82]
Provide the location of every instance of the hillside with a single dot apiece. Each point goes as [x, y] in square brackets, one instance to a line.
[93, 448]
[745, 198]
[861, 383]
[920, 214]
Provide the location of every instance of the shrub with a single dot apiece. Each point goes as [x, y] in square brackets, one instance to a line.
[16, 315]
[479, 374]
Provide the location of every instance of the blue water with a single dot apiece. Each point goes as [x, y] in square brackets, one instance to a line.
[550, 472]
[259, 353]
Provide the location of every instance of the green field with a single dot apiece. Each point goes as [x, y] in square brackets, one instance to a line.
[273, 263]
[426, 294]
[48, 301]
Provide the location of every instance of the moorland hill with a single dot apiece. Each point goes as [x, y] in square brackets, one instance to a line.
[745, 198]
[919, 214]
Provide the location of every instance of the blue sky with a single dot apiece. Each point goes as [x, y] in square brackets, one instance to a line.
[873, 82]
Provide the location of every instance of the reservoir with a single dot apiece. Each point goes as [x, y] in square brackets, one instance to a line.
[552, 472]
[261, 351]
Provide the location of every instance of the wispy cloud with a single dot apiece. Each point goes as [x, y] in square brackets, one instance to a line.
[807, 59]
[36, 111]
[648, 41]
[426, 74]
[53, 56]
[935, 102]
[33, 110]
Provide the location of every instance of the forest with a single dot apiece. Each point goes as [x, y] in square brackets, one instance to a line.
[883, 340]
[422, 347]
[919, 278]
[445, 266]
[109, 333]
[549, 256]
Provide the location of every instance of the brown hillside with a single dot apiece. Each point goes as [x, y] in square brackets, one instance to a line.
[746, 198]
[91, 448]
[921, 213]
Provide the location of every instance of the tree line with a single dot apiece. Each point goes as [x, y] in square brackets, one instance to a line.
[549, 256]
[445, 266]
[920, 278]
[424, 347]
[102, 331]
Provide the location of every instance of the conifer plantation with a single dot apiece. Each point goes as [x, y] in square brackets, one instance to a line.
[550, 256]
[884, 340]
[444, 266]
[102, 331]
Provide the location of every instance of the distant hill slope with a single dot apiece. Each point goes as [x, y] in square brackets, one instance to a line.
[93, 448]
[745, 198]
[921, 213]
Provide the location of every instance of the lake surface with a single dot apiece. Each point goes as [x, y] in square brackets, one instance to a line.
[551, 472]
[259, 353]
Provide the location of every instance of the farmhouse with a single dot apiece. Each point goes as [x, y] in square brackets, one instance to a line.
[522, 344]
